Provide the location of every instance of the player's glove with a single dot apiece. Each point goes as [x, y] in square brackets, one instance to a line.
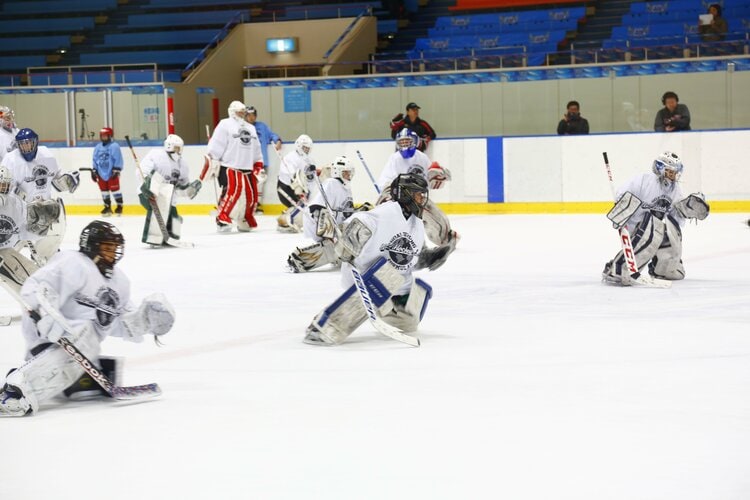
[94, 177]
[116, 173]
[257, 168]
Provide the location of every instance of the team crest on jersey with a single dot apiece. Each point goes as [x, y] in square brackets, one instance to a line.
[106, 304]
[244, 136]
[401, 250]
[39, 175]
[174, 176]
[8, 228]
[416, 169]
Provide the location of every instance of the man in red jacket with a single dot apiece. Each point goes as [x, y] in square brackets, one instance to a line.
[413, 122]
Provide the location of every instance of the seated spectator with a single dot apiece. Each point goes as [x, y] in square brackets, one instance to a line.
[413, 122]
[573, 123]
[673, 117]
[716, 30]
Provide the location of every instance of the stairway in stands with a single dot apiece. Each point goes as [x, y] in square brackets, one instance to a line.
[607, 15]
[418, 25]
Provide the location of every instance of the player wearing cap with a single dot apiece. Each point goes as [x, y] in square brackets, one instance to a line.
[413, 122]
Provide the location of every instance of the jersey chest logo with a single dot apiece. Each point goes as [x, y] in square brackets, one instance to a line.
[416, 169]
[244, 136]
[106, 305]
[8, 228]
[39, 176]
[401, 250]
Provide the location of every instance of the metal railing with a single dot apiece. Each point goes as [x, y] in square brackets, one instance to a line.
[222, 33]
[114, 70]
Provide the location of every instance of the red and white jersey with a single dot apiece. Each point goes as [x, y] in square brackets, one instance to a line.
[339, 195]
[290, 165]
[32, 180]
[394, 237]
[84, 295]
[12, 221]
[397, 165]
[7, 141]
[235, 144]
[649, 189]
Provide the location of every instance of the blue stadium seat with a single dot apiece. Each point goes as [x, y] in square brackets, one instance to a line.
[156, 38]
[171, 57]
[40, 43]
[181, 19]
[46, 25]
[325, 11]
[21, 62]
[58, 6]
[199, 3]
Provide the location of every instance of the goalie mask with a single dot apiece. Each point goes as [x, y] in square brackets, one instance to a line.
[173, 145]
[303, 145]
[104, 244]
[27, 142]
[342, 169]
[7, 118]
[406, 142]
[5, 180]
[106, 134]
[237, 111]
[668, 167]
[411, 192]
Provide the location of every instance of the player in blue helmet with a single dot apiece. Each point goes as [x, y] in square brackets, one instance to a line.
[407, 142]
[27, 141]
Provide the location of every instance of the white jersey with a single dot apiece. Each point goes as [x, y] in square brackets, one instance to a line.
[170, 166]
[32, 180]
[648, 188]
[12, 221]
[290, 165]
[397, 239]
[235, 144]
[339, 195]
[7, 141]
[84, 295]
[397, 165]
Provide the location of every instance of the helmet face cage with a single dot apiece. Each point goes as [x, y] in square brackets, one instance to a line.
[27, 141]
[340, 165]
[90, 244]
[404, 190]
[173, 144]
[303, 145]
[7, 118]
[406, 142]
[237, 110]
[5, 180]
[668, 161]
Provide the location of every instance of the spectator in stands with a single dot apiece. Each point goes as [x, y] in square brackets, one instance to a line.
[266, 136]
[412, 121]
[573, 123]
[673, 117]
[716, 30]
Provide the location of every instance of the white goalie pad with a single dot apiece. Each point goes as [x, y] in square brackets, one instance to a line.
[407, 315]
[693, 207]
[155, 316]
[646, 240]
[354, 235]
[291, 220]
[14, 270]
[312, 257]
[624, 208]
[667, 263]
[67, 182]
[162, 191]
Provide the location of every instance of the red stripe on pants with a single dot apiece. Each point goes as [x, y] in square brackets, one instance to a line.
[237, 182]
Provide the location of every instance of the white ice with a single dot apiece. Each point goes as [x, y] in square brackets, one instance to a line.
[534, 380]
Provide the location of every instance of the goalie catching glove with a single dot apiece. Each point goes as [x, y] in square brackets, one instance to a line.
[155, 316]
[67, 181]
[693, 207]
[437, 175]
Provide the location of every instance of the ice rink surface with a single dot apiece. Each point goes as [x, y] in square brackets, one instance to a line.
[534, 380]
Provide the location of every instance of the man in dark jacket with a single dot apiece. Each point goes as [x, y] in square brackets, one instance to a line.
[572, 122]
[412, 121]
[673, 117]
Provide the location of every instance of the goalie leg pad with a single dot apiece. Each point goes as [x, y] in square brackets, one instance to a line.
[86, 387]
[337, 321]
[693, 207]
[174, 223]
[52, 370]
[437, 227]
[408, 310]
[667, 263]
[626, 206]
[312, 257]
[14, 269]
[647, 239]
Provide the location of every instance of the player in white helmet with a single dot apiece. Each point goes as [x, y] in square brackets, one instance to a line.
[93, 296]
[319, 226]
[8, 131]
[406, 159]
[234, 154]
[35, 172]
[653, 209]
[385, 245]
[167, 178]
[296, 181]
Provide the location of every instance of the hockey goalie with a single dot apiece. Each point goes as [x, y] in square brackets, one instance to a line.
[92, 296]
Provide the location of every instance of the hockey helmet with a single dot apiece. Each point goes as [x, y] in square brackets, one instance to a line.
[106, 134]
[27, 141]
[173, 144]
[103, 243]
[7, 118]
[411, 192]
[237, 110]
[668, 167]
[406, 142]
[303, 145]
[340, 166]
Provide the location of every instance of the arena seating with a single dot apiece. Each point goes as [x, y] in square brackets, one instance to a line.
[322, 11]
[502, 4]
[57, 6]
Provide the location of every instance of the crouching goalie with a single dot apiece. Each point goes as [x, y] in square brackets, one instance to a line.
[80, 297]
[653, 209]
[385, 245]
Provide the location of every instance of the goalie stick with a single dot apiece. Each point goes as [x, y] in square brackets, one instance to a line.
[359, 283]
[122, 393]
[155, 208]
[627, 245]
[367, 169]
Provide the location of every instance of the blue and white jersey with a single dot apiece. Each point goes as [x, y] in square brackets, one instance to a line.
[397, 165]
[650, 189]
[107, 158]
[32, 180]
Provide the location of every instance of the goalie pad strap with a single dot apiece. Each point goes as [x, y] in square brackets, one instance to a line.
[693, 207]
[623, 210]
